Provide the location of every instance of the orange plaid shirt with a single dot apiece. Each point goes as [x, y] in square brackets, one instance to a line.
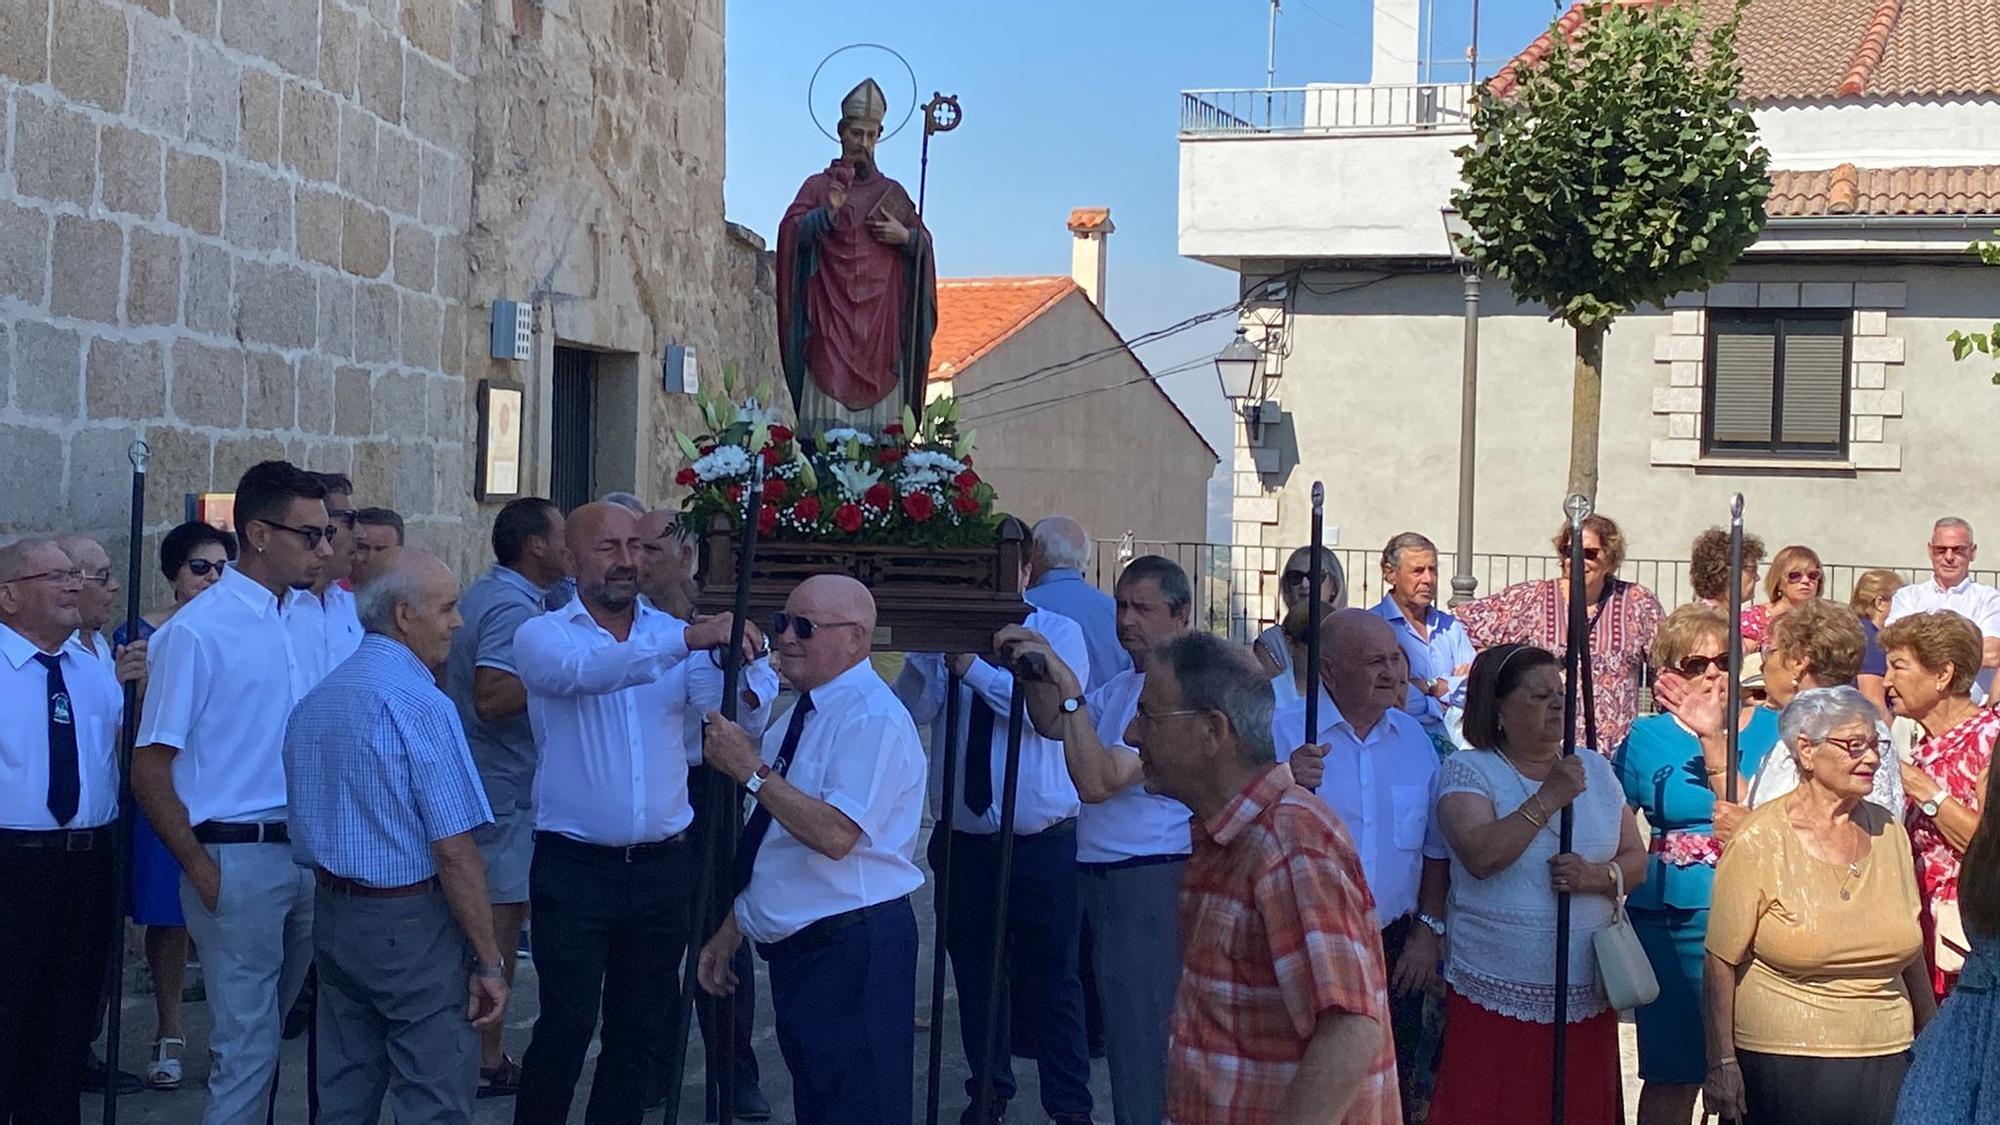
[1277, 929]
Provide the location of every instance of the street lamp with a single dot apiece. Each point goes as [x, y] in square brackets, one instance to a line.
[1458, 233]
[1239, 367]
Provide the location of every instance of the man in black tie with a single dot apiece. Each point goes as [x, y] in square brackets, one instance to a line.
[58, 808]
[826, 864]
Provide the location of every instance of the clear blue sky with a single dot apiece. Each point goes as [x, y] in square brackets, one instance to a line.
[1067, 104]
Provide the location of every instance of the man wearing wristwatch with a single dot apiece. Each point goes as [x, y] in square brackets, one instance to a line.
[383, 797]
[1376, 769]
[1131, 845]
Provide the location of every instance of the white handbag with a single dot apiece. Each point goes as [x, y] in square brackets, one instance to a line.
[1621, 961]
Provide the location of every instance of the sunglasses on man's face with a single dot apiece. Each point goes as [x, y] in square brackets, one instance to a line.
[1797, 576]
[345, 517]
[802, 627]
[313, 536]
[202, 568]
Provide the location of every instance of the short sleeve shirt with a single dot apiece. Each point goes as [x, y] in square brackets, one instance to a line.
[493, 608]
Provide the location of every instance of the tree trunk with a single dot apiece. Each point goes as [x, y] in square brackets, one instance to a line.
[1585, 406]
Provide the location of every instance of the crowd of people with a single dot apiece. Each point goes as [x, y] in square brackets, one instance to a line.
[348, 765]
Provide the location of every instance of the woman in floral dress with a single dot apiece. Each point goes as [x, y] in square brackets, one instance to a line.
[1932, 659]
[1955, 1079]
[1623, 616]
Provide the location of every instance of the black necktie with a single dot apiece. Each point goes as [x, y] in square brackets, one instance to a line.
[65, 787]
[760, 817]
[979, 757]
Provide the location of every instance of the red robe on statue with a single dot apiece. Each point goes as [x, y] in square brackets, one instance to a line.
[846, 302]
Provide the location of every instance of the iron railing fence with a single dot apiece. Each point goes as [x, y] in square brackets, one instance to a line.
[1326, 110]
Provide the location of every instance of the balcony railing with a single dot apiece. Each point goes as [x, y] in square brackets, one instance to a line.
[1326, 110]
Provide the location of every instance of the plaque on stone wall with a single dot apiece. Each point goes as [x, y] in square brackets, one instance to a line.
[498, 475]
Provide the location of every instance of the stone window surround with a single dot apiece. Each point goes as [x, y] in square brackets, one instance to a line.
[1683, 352]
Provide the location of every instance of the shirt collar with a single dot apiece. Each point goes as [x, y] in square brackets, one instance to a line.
[250, 591]
[518, 580]
[1964, 584]
[1388, 610]
[850, 680]
[16, 648]
[1057, 574]
[398, 653]
[576, 612]
[1247, 806]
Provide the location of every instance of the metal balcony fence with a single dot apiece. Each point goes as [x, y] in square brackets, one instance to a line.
[1326, 110]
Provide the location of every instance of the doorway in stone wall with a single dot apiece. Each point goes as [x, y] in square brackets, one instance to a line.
[571, 457]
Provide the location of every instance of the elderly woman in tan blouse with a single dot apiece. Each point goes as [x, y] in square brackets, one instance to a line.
[1815, 983]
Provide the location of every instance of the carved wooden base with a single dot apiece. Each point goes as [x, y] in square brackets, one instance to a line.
[926, 599]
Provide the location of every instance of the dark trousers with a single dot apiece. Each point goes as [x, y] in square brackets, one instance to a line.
[845, 1012]
[1416, 1062]
[709, 1008]
[56, 934]
[1810, 1090]
[608, 933]
[1044, 920]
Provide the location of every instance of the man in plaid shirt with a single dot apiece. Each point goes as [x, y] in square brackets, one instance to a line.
[1282, 1015]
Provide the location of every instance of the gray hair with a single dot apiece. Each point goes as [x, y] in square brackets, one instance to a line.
[1062, 542]
[1392, 554]
[376, 602]
[14, 556]
[1954, 521]
[1215, 675]
[626, 501]
[1814, 714]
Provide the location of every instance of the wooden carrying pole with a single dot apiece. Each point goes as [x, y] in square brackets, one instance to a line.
[947, 804]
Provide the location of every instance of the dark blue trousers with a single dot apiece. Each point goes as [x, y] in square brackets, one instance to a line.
[1044, 925]
[846, 1016]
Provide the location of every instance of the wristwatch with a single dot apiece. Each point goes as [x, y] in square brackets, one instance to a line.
[1935, 804]
[488, 972]
[756, 780]
[1072, 704]
[1432, 922]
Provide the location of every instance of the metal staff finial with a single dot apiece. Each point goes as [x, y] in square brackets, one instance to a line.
[1578, 507]
[1319, 495]
[139, 452]
[1736, 509]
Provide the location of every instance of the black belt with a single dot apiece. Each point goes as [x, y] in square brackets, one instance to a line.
[1127, 864]
[61, 839]
[226, 832]
[820, 934]
[1066, 824]
[611, 853]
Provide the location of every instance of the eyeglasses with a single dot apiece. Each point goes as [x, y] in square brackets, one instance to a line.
[346, 517]
[1296, 577]
[202, 568]
[1590, 554]
[95, 578]
[1156, 716]
[62, 577]
[1696, 666]
[1857, 748]
[803, 627]
[1797, 576]
[312, 535]
[1952, 549]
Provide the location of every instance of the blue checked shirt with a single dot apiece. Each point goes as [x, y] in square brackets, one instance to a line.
[377, 769]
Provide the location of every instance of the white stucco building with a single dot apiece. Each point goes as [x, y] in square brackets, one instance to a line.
[1817, 380]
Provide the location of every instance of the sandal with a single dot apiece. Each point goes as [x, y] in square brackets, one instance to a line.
[503, 1081]
[164, 1072]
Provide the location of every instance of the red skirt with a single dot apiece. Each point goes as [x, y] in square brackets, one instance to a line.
[1498, 1069]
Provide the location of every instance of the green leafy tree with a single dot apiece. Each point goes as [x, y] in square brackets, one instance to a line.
[1963, 344]
[1620, 171]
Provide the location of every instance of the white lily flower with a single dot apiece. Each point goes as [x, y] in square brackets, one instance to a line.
[725, 461]
[854, 480]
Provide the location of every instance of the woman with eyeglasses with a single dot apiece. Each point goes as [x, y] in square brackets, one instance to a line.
[1667, 776]
[1874, 592]
[1794, 578]
[192, 557]
[1932, 659]
[1955, 1078]
[1622, 618]
[1273, 652]
[1813, 985]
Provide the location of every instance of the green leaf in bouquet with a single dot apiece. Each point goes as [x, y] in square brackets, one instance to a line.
[687, 446]
[729, 378]
[808, 479]
[759, 438]
[854, 449]
[963, 444]
[909, 423]
[728, 414]
[820, 442]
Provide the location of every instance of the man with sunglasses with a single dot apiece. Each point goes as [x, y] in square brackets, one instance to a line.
[331, 605]
[826, 864]
[58, 811]
[1041, 987]
[1951, 587]
[209, 771]
[608, 884]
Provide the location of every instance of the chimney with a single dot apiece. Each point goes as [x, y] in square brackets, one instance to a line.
[1395, 43]
[1091, 226]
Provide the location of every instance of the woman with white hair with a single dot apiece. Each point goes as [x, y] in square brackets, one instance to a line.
[1272, 650]
[1815, 985]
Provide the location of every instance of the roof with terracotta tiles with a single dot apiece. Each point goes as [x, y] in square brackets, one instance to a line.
[1819, 49]
[1848, 190]
[975, 314]
[1084, 220]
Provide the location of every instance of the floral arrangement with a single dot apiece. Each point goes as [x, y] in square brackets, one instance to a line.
[1688, 849]
[912, 484]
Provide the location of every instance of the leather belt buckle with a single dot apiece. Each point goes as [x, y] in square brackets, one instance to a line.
[633, 851]
[79, 840]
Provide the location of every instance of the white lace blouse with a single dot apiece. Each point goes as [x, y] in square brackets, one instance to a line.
[1502, 943]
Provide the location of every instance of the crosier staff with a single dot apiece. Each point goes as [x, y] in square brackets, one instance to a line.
[1315, 574]
[1735, 705]
[1578, 697]
[139, 453]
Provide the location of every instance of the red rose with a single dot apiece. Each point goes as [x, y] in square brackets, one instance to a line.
[967, 459]
[707, 449]
[806, 510]
[966, 503]
[878, 497]
[847, 518]
[918, 506]
[967, 480]
[735, 493]
[780, 435]
[775, 490]
[889, 456]
[770, 456]
[685, 477]
[893, 429]
[767, 519]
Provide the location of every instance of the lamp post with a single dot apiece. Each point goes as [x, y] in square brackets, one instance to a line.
[1239, 368]
[1457, 231]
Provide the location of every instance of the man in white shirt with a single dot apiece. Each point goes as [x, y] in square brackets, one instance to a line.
[1951, 587]
[209, 772]
[1131, 845]
[94, 603]
[608, 885]
[1376, 768]
[826, 864]
[1041, 985]
[331, 602]
[58, 814]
